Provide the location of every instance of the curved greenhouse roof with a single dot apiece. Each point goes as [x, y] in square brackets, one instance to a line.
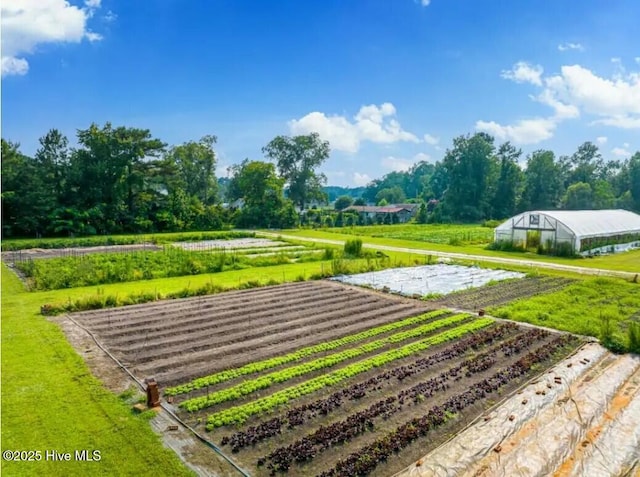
[579, 228]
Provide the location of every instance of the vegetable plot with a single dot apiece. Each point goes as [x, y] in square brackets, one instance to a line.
[319, 378]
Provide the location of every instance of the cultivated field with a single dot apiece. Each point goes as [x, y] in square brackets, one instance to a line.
[321, 378]
[500, 293]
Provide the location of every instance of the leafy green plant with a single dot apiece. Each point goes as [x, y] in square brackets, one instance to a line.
[239, 414]
[353, 248]
[258, 366]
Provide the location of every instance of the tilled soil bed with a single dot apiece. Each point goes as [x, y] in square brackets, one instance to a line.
[321, 378]
[501, 293]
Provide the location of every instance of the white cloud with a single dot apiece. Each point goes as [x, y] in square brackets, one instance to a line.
[91, 36]
[570, 46]
[613, 101]
[525, 131]
[14, 66]
[617, 98]
[393, 163]
[637, 59]
[396, 163]
[622, 122]
[372, 123]
[29, 23]
[110, 17]
[361, 179]
[425, 3]
[562, 110]
[601, 140]
[429, 139]
[620, 152]
[523, 72]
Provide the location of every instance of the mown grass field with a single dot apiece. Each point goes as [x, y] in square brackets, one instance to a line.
[628, 261]
[468, 234]
[51, 401]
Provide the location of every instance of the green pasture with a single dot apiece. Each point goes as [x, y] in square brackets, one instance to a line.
[51, 401]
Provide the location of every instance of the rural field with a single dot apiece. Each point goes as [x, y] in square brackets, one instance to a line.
[295, 377]
[302, 377]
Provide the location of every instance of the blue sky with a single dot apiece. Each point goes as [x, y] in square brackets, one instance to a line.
[387, 82]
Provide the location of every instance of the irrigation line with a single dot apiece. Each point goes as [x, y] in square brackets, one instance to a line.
[165, 407]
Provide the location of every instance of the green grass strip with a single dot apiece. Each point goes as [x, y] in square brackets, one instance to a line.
[239, 414]
[263, 382]
[258, 366]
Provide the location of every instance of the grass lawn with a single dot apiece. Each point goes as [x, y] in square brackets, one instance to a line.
[50, 401]
[628, 261]
[581, 308]
[465, 234]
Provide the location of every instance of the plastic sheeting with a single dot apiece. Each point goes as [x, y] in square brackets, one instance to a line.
[534, 433]
[616, 451]
[617, 248]
[428, 279]
[230, 244]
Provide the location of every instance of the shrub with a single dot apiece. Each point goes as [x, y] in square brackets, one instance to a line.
[492, 224]
[353, 248]
[634, 337]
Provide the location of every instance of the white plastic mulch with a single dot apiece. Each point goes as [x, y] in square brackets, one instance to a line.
[428, 279]
[232, 244]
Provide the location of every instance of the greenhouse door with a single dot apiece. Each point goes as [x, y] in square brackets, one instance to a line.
[533, 239]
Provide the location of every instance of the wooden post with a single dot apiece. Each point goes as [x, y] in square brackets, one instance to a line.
[153, 397]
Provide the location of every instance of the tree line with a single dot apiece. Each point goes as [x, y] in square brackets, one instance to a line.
[479, 180]
[124, 180]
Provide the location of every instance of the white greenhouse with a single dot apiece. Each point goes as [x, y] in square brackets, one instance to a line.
[571, 231]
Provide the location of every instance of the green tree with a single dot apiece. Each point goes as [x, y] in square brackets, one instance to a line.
[579, 196]
[543, 182]
[360, 201]
[472, 170]
[297, 159]
[392, 195]
[20, 207]
[195, 164]
[438, 183]
[343, 202]
[262, 190]
[585, 165]
[109, 170]
[603, 195]
[509, 184]
[422, 216]
[634, 179]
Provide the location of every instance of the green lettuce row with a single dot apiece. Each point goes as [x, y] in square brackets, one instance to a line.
[258, 366]
[239, 414]
[263, 382]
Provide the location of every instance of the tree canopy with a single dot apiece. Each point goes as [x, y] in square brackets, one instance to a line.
[297, 159]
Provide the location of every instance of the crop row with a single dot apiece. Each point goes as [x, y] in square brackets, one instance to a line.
[298, 415]
[258, 366]
[359, 422]
[263, 382]
[366, 459]
[239, 414]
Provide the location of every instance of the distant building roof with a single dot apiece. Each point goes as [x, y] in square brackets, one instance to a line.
[385, 209]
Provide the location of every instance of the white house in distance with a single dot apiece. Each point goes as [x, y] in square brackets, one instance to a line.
[582, 231]
[401, 213]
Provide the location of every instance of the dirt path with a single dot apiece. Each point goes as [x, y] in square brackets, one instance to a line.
[479, 258]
